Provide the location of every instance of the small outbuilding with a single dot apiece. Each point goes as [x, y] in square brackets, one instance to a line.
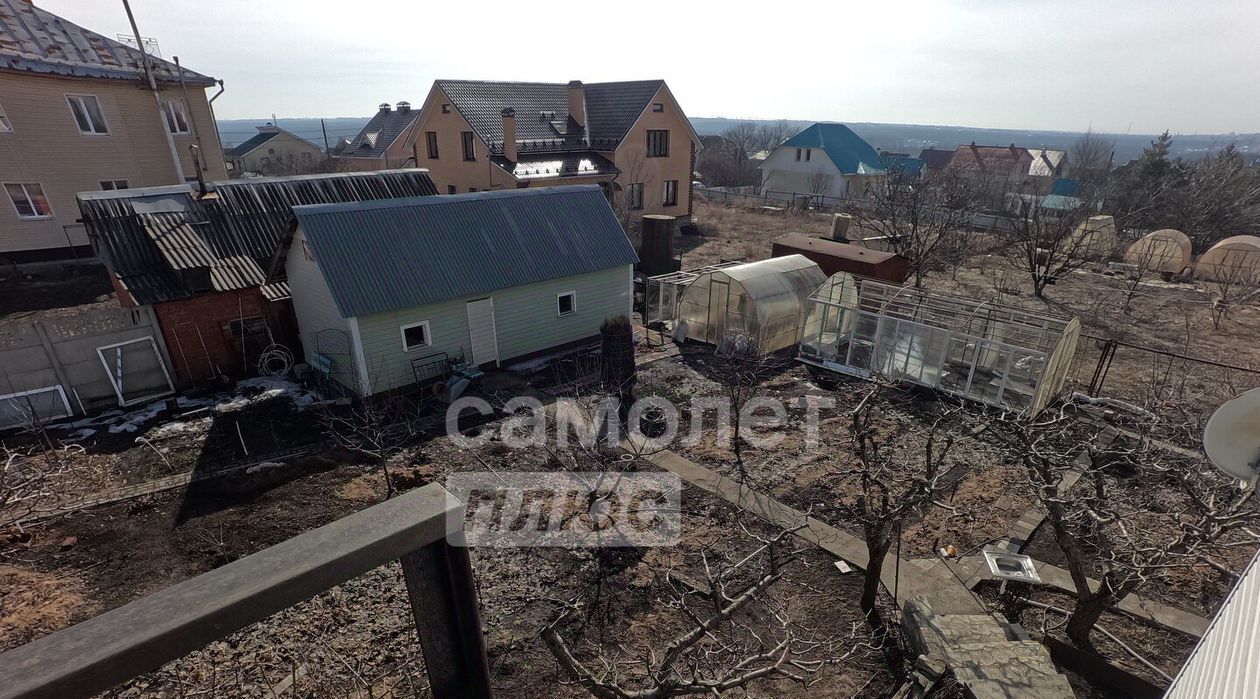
[1166, 250]
[1234, 259]
[997, 355]
[763, 300]
[384, 288]
[834, 256]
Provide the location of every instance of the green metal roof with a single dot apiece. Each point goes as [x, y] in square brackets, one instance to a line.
[851, 154]
[383, 255]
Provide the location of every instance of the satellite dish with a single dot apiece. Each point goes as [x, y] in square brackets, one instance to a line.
[1232, 438]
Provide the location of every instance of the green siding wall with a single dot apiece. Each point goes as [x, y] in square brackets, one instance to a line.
[525, 322]
[315, 310]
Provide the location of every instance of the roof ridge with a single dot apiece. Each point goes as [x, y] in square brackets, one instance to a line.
[435, 200]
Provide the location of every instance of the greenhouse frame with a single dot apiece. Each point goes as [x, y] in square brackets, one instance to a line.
[762, 301]
[664, 290]
[998, 355]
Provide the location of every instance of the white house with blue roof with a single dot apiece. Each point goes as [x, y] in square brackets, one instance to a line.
[493, 277]
[825, 159]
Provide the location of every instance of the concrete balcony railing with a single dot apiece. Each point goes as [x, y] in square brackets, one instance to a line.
[139, 637]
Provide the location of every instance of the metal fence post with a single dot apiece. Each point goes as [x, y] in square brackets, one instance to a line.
[443, 599]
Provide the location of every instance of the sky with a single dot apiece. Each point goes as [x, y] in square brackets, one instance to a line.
[1137, 66]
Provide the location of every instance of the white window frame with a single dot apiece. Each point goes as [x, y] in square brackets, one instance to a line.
[561, 295]
[116, 381]
[100, 110]
[173, 112]
[6, 126]
[113, 185]
[27, 194]
[428, 336]
[61, 393]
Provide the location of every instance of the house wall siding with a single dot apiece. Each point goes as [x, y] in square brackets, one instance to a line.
[782, 172]
[280, 155]
[316, 311]
[631, 157]
[525, 323]
[46, 147]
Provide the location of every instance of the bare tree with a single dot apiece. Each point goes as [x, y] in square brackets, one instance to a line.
[1090, 156]
[922, 222]
[771, 134]
[1046, 244]
[1235, 280]
[889, 480]
[819, 182]
[380, 427]
[1174, 515]
[1144, 260]
[28, 480]
[742, 370]
[736, 632]
[633, 168]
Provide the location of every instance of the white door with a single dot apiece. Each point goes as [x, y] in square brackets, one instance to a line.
[485, 346]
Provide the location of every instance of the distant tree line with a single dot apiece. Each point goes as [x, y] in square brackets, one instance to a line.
[727, 160]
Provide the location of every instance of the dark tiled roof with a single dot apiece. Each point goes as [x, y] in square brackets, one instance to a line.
[168, 243]
[378, 256]
[542, 112]
[379, 133]
[248, 146]
[568, 164]
[37, 41]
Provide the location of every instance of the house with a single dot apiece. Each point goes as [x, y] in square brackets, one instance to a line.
[203, 261]
[631, 138]
[274, 151]
[387, 141]
[77, 114]
[1047, 166]
[935, 160]
[996, 169]
[903, 165]
[381, 288]
[825, 159]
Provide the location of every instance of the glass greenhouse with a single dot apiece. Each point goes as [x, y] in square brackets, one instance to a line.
[664, 290]
[998, 355]
[763, 300]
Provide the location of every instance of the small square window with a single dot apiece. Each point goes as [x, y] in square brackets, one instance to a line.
[109, 185]
[29, 200]
[566, 303]
[450, 189]
[658, 107]
[87, 113]
[446, 109]
[415, 336]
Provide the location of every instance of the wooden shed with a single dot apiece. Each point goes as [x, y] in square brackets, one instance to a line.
[833, 256]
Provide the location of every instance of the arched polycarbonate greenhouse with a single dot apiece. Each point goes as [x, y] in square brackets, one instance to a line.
[764, 301]
[998, 355]
[1234, 260]
[1165, 250]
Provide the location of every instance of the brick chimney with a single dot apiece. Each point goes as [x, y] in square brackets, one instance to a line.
[509, 134]
[577, 102]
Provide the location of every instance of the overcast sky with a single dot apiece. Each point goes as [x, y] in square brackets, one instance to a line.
[1118, 65]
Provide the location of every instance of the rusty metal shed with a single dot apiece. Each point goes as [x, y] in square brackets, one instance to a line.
[833, 256]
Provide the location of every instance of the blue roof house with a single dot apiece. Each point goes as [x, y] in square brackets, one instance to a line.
[381, 287]
[825, 159]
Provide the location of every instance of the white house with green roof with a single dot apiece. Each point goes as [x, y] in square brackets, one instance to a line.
[825, 159]
[493, 277]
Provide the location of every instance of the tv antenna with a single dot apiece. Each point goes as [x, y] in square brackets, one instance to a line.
[150, 44]
[1232, 438]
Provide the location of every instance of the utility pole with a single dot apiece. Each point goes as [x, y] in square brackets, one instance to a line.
[157, 100]
[325, 130]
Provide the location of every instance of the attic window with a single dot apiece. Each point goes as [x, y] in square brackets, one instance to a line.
[658, 107]
[446, 109]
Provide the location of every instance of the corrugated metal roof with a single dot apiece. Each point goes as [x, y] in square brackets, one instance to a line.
[378, 256]
[1224, 663]
[849, 151]
[162, 242]
[34, 40]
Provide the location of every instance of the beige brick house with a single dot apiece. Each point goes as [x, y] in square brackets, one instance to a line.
[76, 114]
[632, 138]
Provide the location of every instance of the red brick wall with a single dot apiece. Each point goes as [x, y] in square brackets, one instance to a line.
[199, 337]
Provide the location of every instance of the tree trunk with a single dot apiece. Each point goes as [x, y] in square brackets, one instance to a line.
[389, 482]
[1083, 618]
[876, 552]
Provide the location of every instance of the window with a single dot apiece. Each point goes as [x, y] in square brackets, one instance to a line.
[306, 157]
[108, 185]
[248, 327]
[176, 119]
[658, 107]
[657, 143]
[566, 303]
[430, 138]
[798, 154]
[446, 109]
[450, 189]
[5, 126]
[807, 151]
[29, 200]
[635, 196]
[472, 189]
[469, 153]
[271, 151]
[87, 114]
[671, 193]
[415, 336]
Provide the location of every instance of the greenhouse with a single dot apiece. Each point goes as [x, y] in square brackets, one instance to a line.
[664, 291]
[764, 301]
[982, 351]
